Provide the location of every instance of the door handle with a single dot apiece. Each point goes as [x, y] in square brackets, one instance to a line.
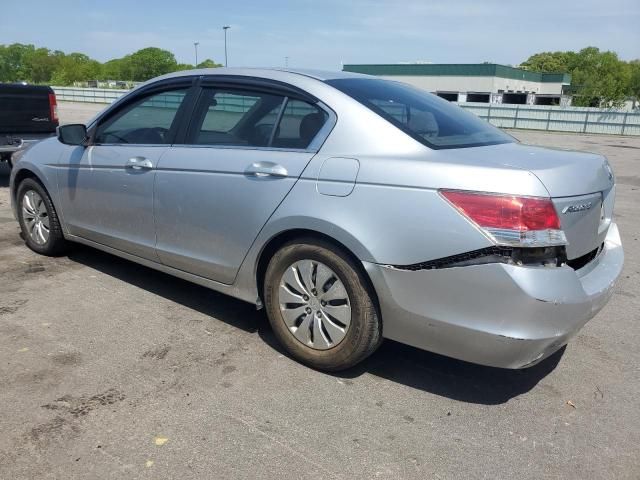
[266, 169]
[139, 163]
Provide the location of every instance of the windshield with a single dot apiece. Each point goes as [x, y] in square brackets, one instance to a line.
[427, 118]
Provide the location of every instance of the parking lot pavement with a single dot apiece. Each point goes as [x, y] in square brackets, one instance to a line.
[109, 369]
[72, 112]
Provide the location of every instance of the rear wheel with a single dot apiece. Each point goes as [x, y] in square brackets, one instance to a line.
[320, 306]
[39, 222]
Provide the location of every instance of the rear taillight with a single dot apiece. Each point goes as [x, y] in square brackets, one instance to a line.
[509, 219]
[53, 108]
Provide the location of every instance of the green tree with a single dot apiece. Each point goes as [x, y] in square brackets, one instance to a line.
[633, 88]
[208, 63]
[76, 67]
[117, 69]
[597, 78]
[184, 66]
[549, 62]
[40, 63]
[600, 77]
[151, 62]
[12, 65]
[4, 66]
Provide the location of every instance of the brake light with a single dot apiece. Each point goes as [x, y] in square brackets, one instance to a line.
[53, 108]
[509, 219]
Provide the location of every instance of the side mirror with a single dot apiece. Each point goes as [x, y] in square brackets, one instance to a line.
[72, 134]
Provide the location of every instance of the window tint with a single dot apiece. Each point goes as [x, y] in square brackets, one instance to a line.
[393, 109]
[299, 125]
[147, 121]
[237, 118]
[430, 120]
[248, 118]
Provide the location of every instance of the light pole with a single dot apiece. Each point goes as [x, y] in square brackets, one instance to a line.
[225, 28]
[195, 44]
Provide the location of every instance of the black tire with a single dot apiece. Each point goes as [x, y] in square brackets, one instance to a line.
[55, 244]
[364, 333]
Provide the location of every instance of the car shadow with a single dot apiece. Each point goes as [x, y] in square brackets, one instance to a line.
[234, 312]
[451, 378]
[441, 375]
[402, 364]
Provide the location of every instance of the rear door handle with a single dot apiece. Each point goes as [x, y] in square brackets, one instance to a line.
[139, 163]
[266, 169]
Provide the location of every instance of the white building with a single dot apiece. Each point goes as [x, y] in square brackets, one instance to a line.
[476, 82]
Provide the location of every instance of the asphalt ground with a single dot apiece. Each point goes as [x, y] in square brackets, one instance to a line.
[112, 370]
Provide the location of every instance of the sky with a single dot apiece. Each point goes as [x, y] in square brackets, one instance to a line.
[328, 33]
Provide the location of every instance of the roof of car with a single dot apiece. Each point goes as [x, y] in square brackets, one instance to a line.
[265, 73]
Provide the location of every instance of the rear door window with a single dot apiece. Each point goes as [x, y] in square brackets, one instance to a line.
[300, 123]
[246, 118]
[235, 118]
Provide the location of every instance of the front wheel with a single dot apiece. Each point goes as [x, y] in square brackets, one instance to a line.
[320, 306]
[39, 222]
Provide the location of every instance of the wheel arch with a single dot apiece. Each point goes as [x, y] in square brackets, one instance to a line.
[22, 175]
[286, 236]
[30, 171]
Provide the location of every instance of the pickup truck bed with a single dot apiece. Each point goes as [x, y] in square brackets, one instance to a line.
[28, 113]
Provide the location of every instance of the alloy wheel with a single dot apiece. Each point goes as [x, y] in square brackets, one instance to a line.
[36, 217]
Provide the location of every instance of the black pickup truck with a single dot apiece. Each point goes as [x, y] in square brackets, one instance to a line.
[28, 113]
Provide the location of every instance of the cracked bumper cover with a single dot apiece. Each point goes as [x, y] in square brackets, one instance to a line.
[495, 314]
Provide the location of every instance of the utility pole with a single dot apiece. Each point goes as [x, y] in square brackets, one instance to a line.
[286, 62]
[225, 28]
[195, 44]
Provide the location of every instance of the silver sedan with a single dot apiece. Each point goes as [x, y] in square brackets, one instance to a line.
[351, 208]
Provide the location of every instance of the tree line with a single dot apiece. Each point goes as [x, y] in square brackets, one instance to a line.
[598, 78]
[26, 63]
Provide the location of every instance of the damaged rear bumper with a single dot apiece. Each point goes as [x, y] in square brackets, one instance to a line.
[495, 314]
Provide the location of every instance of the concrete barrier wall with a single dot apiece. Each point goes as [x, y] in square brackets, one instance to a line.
[529, 117]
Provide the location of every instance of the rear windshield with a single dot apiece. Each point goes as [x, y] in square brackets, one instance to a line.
[430, 120]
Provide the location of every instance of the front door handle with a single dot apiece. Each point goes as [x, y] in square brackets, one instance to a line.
[266, 169]
[139, 163]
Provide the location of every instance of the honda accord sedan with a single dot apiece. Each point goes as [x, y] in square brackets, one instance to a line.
[351, 208]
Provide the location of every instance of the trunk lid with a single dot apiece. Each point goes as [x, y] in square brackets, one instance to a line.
[564, 173]
[581, 186]
[583, 221]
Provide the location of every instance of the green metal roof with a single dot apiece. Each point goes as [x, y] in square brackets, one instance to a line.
[457, 70]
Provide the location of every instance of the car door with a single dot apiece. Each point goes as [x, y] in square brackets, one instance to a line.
[107, 188]
[244, 151]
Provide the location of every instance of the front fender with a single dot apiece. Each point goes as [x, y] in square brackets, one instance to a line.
[39, 161]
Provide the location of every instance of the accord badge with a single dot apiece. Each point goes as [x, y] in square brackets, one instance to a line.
[578, 207]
